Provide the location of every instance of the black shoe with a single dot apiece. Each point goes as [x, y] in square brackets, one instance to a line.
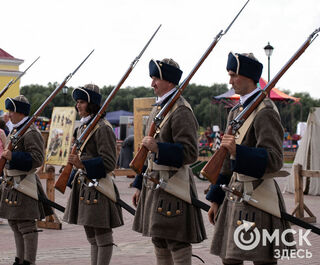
[25, 262]
[16, 261]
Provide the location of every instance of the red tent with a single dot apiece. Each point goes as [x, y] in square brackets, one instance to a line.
[275, 94]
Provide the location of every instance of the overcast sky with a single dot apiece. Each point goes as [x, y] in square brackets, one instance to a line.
[63, 32]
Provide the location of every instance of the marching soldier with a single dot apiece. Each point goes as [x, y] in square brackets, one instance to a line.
[255, 157]
[21, 187]
[97, 158]
[172, 223]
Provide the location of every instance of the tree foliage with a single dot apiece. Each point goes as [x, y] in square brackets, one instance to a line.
[199, 96]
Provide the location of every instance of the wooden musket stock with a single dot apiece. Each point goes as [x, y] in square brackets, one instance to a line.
[212, 169]
[14, 138]
[62, 181]
[138, 161]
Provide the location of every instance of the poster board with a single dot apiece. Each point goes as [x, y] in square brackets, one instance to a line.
[141, 110]
[60, 135]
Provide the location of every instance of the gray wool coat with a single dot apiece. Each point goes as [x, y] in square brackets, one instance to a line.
[23, 207]
[265, 132]
[102, 213]
[186, 224]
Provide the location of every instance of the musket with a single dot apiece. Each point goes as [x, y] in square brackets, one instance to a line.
[15, 137]
[212, 169]
[284, 215]
[140, 157]
[11, 82]
[64, 176]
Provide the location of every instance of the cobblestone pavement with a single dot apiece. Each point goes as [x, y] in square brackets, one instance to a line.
[69, 246]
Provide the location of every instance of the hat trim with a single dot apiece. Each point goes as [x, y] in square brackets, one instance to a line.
[159, 68]
[83, 90]
[14, 104]
[238, 62]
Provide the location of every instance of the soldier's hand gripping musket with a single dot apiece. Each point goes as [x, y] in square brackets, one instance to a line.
[139, 159]
[11, 82]
[15, 137]
[212, 169]
[80, 142]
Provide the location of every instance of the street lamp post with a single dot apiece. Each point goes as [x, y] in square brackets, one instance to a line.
[65, 92]
[268, 50]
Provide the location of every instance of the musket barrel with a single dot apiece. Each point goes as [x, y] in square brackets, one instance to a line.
[37, 113]
[63, 178]
[212, 169]
[11, 82]
[138, 161]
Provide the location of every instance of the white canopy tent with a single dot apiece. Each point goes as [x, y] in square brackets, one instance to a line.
[308, 153]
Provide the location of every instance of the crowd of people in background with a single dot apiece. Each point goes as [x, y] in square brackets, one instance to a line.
[290, 141]
[210, 139]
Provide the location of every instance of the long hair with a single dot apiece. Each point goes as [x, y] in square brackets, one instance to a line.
[92, 109]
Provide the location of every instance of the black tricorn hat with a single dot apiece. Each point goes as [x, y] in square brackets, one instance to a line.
[18, 104]
[244, 65]
[167, 69]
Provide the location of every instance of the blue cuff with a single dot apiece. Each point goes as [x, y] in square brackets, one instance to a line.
[137, 183]
[216, 194]
[170, 154]
[21, 161]
[94, 168]
[71, 177]
[250, 161]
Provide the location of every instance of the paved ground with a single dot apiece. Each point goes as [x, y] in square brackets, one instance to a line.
[70, 247]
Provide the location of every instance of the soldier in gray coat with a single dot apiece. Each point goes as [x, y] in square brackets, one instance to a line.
[172, 222]
[95, 209]
[255, 157]
[21, 187]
